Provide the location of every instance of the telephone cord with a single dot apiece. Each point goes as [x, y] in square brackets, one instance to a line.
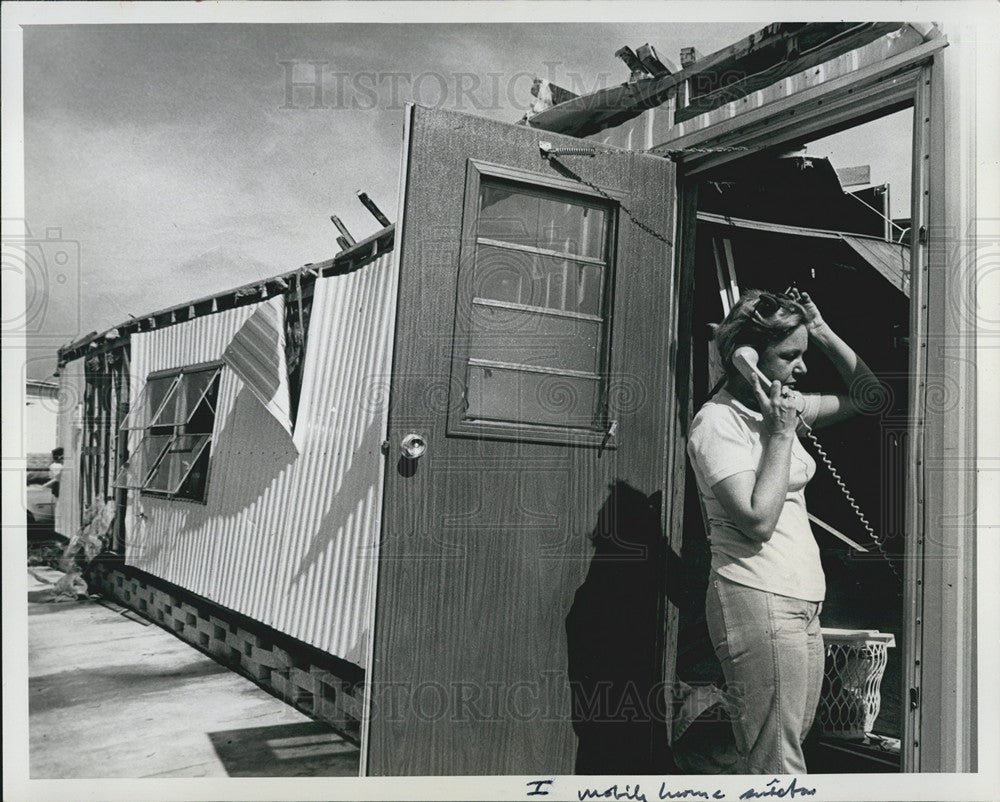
[879, 545]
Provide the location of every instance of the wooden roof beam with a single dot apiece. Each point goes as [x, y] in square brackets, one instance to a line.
[655, 65]
[369, 204]
[342, 229]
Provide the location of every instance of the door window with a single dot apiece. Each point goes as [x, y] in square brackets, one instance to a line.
[532, 328]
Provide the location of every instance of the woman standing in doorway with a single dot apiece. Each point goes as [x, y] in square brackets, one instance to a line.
[767, 587]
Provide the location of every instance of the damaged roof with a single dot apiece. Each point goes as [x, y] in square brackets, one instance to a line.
[776, 51]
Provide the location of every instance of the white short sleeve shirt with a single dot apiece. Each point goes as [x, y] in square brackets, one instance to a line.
[727, 437]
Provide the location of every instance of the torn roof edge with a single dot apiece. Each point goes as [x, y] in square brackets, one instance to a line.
[347, 261]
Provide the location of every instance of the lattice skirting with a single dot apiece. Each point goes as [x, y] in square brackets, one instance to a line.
[318, 684]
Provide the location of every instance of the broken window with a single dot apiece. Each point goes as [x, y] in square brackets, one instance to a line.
[176, 415]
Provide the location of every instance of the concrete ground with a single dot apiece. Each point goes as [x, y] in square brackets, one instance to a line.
[113, 695]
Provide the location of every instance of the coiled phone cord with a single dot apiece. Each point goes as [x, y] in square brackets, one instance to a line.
[879, 544]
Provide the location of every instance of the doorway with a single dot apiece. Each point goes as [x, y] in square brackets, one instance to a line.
[830, 216]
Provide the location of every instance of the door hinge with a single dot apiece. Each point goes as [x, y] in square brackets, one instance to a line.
[384, 448]
[914, 698]
[922, 235]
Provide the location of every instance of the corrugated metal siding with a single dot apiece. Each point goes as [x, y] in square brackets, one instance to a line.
[69, 435]
[286, 538]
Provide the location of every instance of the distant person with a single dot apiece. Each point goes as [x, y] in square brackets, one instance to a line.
[55, 469]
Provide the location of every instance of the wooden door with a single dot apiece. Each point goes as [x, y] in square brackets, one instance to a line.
[519, 606]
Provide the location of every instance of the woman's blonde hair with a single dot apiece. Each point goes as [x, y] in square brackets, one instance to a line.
[758, 319]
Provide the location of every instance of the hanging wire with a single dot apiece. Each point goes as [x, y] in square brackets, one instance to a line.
[628, 213]
[879, 542]
[880, 214]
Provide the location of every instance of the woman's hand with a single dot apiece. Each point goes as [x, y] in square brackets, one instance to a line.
[780, 407]
[814, 320]
[857, 376]
[754, 500]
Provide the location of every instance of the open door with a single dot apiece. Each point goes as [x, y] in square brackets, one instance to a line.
[519, 609]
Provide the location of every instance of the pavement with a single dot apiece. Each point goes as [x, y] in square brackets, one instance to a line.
[112, 695]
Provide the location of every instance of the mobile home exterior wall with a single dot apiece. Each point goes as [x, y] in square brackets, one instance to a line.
[285, 538]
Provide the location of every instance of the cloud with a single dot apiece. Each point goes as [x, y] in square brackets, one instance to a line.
[164, 150]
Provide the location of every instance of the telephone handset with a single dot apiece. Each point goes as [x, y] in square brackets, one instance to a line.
[745, 359]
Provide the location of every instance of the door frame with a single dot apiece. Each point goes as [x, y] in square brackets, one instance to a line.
[939, 584]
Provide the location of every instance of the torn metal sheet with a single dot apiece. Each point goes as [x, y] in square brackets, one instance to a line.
[890, 260]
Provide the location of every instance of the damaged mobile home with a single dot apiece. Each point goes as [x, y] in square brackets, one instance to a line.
[434, 490]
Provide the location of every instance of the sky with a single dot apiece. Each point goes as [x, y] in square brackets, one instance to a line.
[168, 162]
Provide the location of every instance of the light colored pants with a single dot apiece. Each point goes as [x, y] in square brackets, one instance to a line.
[771, 650]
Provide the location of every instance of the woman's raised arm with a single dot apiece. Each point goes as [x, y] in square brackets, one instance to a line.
[856, 375]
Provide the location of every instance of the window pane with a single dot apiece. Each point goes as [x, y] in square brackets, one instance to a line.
[504, 275]
[174, 466]
[535, 280]
[531, 338]
[543, 221]
[571, 227]
[508, 215]
[158, 390]
[137, 466]
[202, 420]
[182, 402]
[196, 483]
[499, 394]
[148, 402]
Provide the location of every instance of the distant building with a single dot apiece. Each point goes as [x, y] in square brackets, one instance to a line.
[41, 407]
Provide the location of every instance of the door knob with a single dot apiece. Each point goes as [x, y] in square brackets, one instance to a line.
[413, 446]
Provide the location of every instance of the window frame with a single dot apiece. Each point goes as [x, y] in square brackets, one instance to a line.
[215, 366]
[522, 431]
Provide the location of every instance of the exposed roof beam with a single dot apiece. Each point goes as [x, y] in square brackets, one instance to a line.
[655, 64]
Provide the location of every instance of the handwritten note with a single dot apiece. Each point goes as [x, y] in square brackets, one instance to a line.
[634, 792]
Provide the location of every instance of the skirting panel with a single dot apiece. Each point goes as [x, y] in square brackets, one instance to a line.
[320, 685]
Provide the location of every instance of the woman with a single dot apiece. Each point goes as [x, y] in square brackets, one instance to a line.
[766, 587]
